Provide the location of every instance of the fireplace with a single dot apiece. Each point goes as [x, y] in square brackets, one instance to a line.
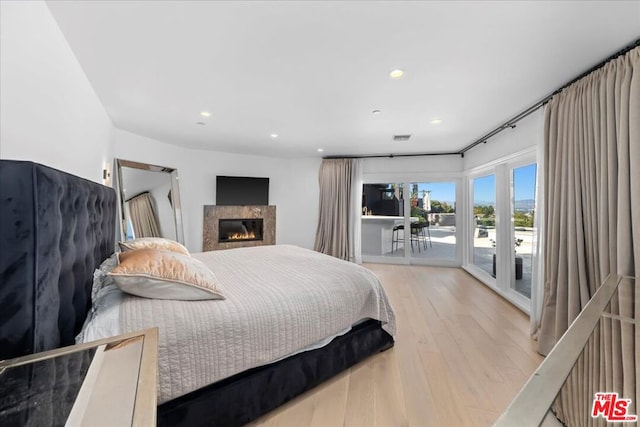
[230, 227]
[239, 230]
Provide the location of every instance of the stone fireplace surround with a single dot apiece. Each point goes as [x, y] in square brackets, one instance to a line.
[213, 213]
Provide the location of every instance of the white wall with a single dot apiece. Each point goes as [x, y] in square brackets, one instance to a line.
[528, 134]
[49, 112]
[296, 192]
[412, 166]
[293, 184]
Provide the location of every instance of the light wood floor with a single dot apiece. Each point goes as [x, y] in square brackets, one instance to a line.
[461, 354]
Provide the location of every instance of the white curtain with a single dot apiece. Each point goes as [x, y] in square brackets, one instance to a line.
[355, 215]
[143, 216]
[592, 228]
[333, 236]
[537, 273]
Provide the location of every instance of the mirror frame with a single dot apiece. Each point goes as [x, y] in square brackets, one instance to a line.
[175, 194]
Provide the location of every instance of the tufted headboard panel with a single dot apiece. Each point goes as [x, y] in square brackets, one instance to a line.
[55, 230]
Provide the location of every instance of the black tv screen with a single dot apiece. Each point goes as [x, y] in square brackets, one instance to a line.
[241, 190]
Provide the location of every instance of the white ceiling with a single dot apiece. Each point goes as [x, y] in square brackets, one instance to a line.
[312, 72]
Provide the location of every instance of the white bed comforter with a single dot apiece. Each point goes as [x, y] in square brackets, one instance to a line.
[280, 300]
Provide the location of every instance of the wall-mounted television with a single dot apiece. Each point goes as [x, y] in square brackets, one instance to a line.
[241, 190]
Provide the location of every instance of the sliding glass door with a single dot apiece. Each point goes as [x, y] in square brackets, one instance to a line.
[485, 238]
[523, 215]
[410, 221]
[503, 236]
[433, 220]
[383, 220]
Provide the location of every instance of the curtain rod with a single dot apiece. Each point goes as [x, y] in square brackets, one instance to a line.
[511, 123]
[391, 156]
[137, 195]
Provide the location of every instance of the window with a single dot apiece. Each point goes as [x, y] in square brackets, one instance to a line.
[501, 250]
[433, 220]
[484, 223]
[523, 214]
[382, 213]
[411, 221]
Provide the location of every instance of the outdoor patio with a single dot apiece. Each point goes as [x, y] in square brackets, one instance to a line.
[483, 251]
[443, 246]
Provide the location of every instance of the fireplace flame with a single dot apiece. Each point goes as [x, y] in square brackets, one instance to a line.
[242, 236]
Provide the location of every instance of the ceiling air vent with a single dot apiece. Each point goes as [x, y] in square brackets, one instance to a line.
[401, 137]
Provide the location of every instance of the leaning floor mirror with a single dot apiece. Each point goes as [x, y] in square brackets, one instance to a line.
[149, 201]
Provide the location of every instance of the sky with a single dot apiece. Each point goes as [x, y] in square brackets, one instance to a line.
[524, 180]
[524, 185]
[484, 187]
[441, 191]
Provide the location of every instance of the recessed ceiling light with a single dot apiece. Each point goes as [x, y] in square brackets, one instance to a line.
[205, 114]
[320, 150]
[274, 135]
[396, 74]
[436, 121]
[201, 123]
[376, 112]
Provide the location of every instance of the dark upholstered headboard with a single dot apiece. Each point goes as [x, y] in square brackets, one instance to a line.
[55, 230]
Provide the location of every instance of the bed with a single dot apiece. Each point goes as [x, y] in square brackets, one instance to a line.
[57, 229]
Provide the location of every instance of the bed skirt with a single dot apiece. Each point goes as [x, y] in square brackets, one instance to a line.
[248, 395]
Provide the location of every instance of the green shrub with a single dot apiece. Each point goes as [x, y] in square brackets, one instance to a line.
[487, 222]
[418, 212]
[522, 219]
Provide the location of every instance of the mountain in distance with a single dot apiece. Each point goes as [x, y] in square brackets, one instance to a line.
[525, 204]
[520, 205]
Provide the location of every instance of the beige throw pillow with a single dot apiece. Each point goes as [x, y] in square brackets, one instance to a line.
[160, 274]
[153, 243]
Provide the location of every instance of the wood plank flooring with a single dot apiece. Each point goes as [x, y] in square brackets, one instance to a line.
[461, 355]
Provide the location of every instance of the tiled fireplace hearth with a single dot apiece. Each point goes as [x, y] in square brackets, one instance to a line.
[227, 227]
